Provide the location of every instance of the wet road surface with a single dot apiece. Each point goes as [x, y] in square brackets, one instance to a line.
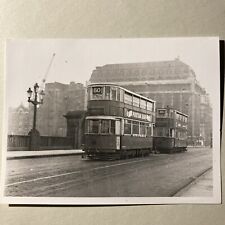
[158, 175]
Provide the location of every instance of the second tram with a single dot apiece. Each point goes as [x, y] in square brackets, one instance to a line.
[119, 123]
[170, 133]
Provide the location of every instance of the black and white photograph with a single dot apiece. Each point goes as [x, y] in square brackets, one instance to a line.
[112, 121]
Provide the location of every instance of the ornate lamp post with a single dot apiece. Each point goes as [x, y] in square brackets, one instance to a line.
[35, 98]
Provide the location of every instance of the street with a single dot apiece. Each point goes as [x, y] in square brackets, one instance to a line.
[158, 175]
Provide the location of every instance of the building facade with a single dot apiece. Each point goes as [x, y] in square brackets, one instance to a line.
[19, 120]
[171, 83]
[58, 100]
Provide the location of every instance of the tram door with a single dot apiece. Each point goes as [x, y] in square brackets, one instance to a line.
[118, 133]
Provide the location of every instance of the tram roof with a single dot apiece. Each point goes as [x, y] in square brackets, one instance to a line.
[103, 117]
[116, 85]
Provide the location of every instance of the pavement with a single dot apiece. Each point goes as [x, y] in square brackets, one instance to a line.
[42, 153]
[202, 186]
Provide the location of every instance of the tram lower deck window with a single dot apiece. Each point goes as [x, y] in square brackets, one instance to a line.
[127, 127]
[149, 131]
[135, 128]
[142, 129]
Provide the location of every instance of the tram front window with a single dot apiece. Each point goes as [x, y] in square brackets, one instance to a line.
[105, 126]
[93, 126]
[100, 126]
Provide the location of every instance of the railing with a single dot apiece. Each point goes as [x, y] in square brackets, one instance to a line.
[21, 142]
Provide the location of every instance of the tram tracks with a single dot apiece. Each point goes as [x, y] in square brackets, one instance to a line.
[85, 181]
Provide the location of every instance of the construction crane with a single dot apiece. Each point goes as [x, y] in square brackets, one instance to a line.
[47, 71]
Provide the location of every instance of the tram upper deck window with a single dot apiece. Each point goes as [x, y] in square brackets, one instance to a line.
[118, 94]
[121, 95]
[150, 106]
[113, 90]
[128, 98]
[97, 93]
[136, 101]
[89, 93]
[107, 92]
[142, 103]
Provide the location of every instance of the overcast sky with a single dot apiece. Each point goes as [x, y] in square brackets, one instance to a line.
[27, 60]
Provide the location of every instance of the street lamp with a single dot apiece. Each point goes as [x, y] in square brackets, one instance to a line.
[36, 98]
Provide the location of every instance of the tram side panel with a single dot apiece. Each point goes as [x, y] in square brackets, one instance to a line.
[129, 143]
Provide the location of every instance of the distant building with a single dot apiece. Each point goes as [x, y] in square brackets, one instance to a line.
[19, 120]
[170, 83]
[58, 100]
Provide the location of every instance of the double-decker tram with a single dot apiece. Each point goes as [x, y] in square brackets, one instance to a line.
[119, 123]
[170, 133]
